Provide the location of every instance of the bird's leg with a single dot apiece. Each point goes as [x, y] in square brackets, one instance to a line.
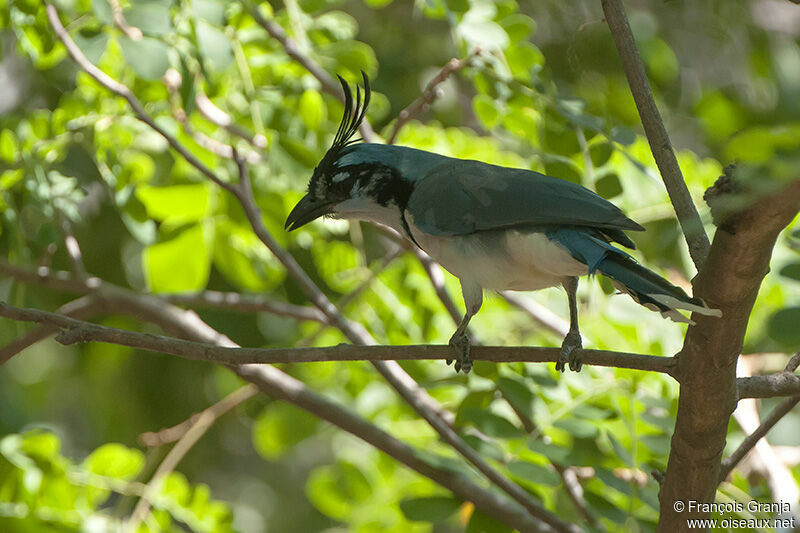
[473, 298]
[572, 345]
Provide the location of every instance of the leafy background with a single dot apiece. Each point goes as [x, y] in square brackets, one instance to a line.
[546, 93]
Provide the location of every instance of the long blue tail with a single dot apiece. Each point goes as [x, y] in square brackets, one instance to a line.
[644, 286]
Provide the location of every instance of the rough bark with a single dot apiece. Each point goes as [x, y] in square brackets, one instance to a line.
[729, 281]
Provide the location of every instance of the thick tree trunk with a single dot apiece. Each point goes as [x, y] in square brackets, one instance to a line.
[729, 281]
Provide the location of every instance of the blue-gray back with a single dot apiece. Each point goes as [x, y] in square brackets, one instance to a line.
[456, 196]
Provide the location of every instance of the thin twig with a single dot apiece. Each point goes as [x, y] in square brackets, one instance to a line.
[246, 303]
[750, 441]
[173, 433]
[232, 301]
[222, 119]
[431, 92]
[122, 90]
[133, 33]
[574, 489]
[291, 48]
[763, 458]
[197, 428]
[172, 80]
[656, 133]
[793, 363]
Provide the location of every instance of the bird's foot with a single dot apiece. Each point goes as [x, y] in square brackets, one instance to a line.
[571, 353]
[461, 344]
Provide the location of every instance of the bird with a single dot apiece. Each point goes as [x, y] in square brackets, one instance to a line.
[493, 227]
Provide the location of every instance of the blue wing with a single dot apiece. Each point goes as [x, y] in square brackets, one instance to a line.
[460, 197]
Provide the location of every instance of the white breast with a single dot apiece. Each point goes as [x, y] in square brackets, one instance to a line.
[506, 259]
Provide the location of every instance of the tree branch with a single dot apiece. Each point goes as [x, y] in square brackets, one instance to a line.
[329, 85]
[246, 303]
[195, 431]
[431, 92]
[231, 301]
[282, 386]
[83, 307]
[121, 90]
[777, 384]
[656, 132]
[729, 280]
[152, 439]
[408, 389]
[781, 410]
[74, 331]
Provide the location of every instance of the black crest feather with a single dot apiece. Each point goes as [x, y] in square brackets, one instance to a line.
[354, 113]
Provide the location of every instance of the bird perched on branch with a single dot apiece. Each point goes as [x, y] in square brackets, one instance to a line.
[492, 227]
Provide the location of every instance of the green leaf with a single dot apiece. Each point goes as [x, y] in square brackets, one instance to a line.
[517, 394]
[661, 61]
[178, 265]
[518, 27]
[176, 203]
[482, 523]
[580, 429]
[658, 444]
[605, 508]
[115, 461]
[212, 11]
[600, 153]
[534, 474]
[150, 16]
[608, 186]
[312, 109]
[486, 110]
[430, 509]
[336, 489]
[556, 454]
[524, 58]
[490, 424]
[214, 45]
[782, 326]
[478, 31]
[279, 428]
[352, 55]
[92, 46]
[9, 148]
[148, 57]
[9, 178]
[102, 10]
[623, 135]
[791, 271]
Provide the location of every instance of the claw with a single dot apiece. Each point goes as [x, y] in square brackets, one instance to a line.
[571, 353]
[461, 344]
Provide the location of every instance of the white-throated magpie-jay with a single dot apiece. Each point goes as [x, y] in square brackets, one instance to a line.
[492, 227]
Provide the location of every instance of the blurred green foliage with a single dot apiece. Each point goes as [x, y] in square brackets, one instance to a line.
[546, 93]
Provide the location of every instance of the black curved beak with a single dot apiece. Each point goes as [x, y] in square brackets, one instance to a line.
[307, 210]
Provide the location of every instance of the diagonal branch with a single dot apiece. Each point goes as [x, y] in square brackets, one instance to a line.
[291, 48]
[431, 92]
[656, 132]
[781, 410]
[122, 90]
[171, 434]
[282, 386]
